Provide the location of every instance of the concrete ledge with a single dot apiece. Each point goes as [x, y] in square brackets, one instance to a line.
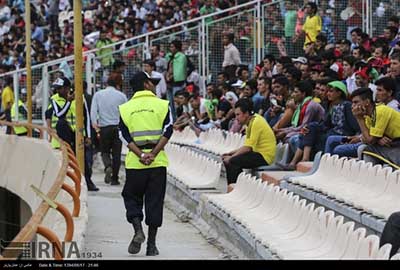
[377, 224]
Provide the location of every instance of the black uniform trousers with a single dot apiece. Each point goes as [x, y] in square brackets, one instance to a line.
[150, 184]
[110, 144]
[65, 132]
[247, 160]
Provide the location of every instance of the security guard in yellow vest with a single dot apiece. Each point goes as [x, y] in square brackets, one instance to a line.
[146, 126]
[59, 108]
[61, 117]
[22, 114]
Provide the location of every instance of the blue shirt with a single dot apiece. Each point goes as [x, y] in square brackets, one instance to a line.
[38, 34]
[104, 111]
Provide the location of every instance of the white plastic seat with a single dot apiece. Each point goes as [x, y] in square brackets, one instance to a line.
[354, 243]
[375, 192]
[331, 238]
[265, 209]
[374, 185]
[384, 252]
[274, 241]
[250, 202]
[338, 249]
[259, 232]
[278, 243]
[369, 247]
[395, 257]
[312, 239]
[266, 213]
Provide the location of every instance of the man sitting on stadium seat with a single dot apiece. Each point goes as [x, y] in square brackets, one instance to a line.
[260, 144]
[380, 128]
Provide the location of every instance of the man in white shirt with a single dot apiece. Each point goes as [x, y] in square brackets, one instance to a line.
[149, 67]
[231, 55]
[349, 74]
[105, 120]
[140, 10]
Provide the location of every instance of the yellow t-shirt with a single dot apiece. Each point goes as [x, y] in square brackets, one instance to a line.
[387, 122]
[261, 138]
[312, 27]
[7, 96]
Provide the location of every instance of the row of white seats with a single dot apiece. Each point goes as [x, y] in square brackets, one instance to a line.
[216, 142]
[187, 137]
[192, 169]
[373, 189]
[212, 140]
[292, 229]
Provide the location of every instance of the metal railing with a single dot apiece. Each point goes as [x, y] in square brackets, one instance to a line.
[69, 168]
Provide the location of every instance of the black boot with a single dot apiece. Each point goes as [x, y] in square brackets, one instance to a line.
[90, 185]
[151, 242]
[138, 238]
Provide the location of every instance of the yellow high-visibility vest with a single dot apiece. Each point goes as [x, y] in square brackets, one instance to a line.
[21, 118]
[144, 117]
[54, 119]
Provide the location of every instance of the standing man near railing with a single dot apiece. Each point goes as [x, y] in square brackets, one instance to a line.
[105, 118]
[206, 9]
[161, 89]
[22, 113]
[105, 55]
[177, 72]
[7, 100]
[161, 63]
[146, 126]
[231, 55]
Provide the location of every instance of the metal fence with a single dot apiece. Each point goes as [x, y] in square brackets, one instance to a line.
[260, 28]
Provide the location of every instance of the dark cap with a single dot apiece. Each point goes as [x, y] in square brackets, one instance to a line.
[137, 81]
[61, 82]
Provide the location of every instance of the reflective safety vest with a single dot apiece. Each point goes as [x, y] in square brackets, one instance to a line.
[54, 119]
[21, 118]
[144, 117]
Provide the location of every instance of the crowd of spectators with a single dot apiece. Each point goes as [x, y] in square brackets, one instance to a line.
[52, 24]
[331, 94]
[317, 58]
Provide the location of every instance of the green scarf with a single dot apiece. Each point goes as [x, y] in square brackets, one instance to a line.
[296, 115]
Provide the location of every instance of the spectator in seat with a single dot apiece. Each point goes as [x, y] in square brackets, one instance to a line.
[149, 67]
[380, 128]
[385, 88]
[359, 53]
[161, 63]
[264, 89]
[268, 66]
[349, 73]
[284, 106]
[259, 147]
[307, 111]
[338, 120]
[395, 72]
